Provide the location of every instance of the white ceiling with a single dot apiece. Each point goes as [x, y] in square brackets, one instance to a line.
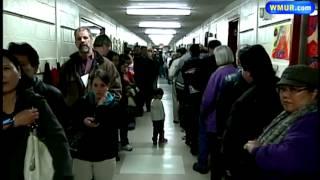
[201, 10]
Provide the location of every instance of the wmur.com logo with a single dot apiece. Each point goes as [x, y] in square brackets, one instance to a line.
[290, 7]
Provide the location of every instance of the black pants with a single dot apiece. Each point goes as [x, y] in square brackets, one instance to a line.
[216, 168]
[123, 126]
[158, 130]
[181, 97]
[192, 113]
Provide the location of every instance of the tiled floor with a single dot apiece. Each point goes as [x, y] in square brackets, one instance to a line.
[171, 161]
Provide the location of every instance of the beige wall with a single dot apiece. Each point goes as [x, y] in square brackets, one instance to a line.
[48, 26]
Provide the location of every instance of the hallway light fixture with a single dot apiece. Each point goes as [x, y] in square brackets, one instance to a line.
[158, 11]
[160, 5]
[160, 31]
[160, 24]
[161, 39]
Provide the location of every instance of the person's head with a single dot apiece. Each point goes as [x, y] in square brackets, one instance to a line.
[102, 44]
[158, 93]
[223, 55]
[150, 53]
[212, 45]
[114, 57]
[100, 83]
[194, 50]
[27, 57]
[136, 50]
[127, 51]
[298, 87]
[83, 40]
[144, 51]
[239, 53]
[181, 51]
[124, 62]
[256, 66]
[10, 72]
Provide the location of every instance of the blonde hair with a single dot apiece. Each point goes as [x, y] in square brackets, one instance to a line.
[223, 55]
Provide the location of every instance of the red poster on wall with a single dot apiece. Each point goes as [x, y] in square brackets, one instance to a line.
[312, 42]
[282, 41]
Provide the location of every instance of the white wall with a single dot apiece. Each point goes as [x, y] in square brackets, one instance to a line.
[252, 28]
[48, 26]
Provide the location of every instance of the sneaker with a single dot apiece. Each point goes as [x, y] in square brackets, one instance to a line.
[199, 169]
[117, 158]
[154, 143]
[163, 141]
[127, 147]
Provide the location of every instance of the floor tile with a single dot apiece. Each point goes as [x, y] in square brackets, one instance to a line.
[152, 164]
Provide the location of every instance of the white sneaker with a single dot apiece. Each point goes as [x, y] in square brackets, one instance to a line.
[127, 147]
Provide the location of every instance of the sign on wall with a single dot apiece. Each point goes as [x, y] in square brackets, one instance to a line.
[312, 42]
[282, 41]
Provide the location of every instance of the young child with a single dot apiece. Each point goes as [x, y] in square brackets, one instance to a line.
[158, 116]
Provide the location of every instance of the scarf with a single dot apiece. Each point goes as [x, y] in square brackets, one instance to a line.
[279, 127]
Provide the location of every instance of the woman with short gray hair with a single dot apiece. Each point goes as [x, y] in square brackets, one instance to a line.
[224, 55]
[225, 59]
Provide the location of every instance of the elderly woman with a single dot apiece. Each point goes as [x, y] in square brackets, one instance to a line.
[21, 109]
[289, 147]
[225, 61]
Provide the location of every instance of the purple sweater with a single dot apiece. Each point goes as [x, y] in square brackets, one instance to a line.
[210, 96]
[297, 155]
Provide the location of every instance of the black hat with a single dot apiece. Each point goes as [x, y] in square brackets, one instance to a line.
[300, 75]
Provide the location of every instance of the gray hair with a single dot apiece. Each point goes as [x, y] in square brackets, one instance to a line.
[82, 28]
[223, 55]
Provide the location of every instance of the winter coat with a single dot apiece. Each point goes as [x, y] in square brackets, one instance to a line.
[49, 131]
[71, 84]
[250, 113]
[99, 143]
[297, 156]
[210, 96]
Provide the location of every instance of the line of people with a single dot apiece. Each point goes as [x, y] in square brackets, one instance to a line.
[94, 98]
[228, 107]
[241, 121]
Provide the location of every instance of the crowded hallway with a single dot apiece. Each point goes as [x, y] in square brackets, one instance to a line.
[160, 90]
[169, 161]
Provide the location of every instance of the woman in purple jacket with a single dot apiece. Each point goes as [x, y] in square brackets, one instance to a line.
[225, 61]
[289, 147]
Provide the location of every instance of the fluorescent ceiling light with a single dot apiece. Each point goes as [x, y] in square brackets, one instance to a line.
[160, 24]
[161, 39]
[160, 31]
[163, 11]
[160, 5]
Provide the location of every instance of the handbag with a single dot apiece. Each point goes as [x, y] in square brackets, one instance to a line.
[131, 102]
[38, 161]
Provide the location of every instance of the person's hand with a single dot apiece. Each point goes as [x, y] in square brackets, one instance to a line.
[101, 100]
[90, 122]
[251, 145]
[26, 117]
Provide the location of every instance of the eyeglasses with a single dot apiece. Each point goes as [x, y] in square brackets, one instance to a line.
[291, 89]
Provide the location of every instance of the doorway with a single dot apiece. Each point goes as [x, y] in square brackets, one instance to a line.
[233, 35]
